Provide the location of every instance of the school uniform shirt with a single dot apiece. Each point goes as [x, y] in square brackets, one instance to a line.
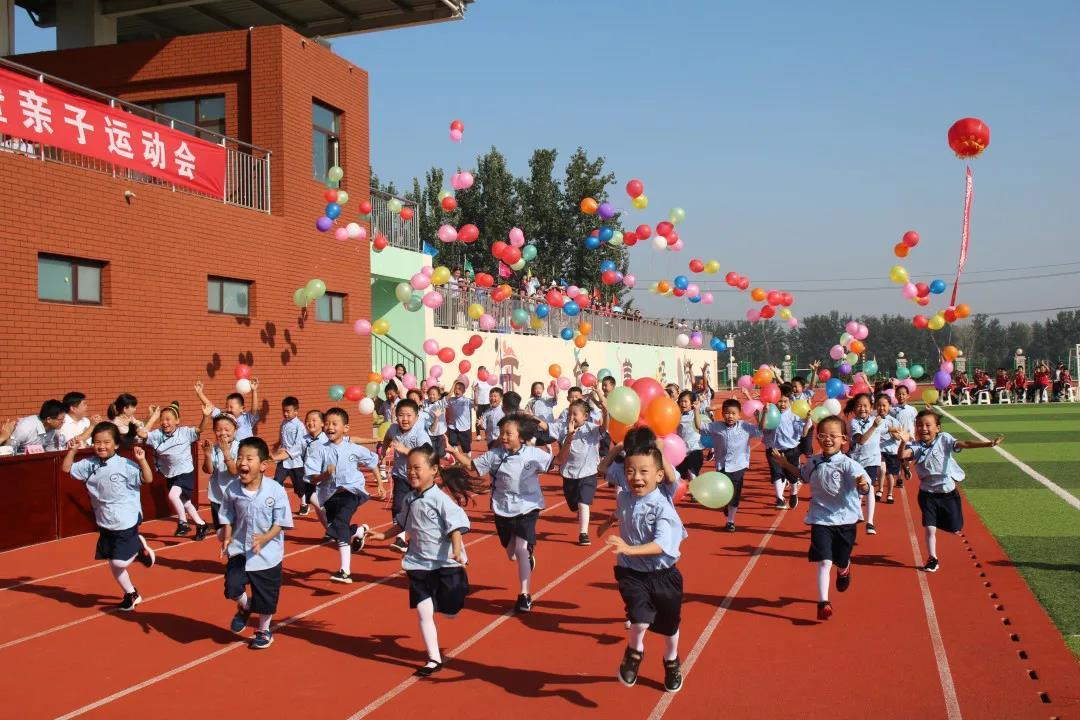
[346, 457]
[254, 513]
[220, 477]
[491, 423]
[113, 485]
[483, 392]
[690, 434]
[435, 424]
[389, 410]
[584, 451]
[867, 454]
[647, 519]
[544, 408]
[889, 444]
[905, 415]
[72, 429]
[412, 438]
[310, 440]
[31, 431]
[938, 470]
[428, 518]
[174, 450]
[731, 445]
[459, 413]
[245, 423]
[834, 492]
[787, 434]
[292, 441]
[516, 487]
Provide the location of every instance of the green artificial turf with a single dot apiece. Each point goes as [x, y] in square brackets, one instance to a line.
[1039, 531]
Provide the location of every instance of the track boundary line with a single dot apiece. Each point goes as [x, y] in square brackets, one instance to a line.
[1034, 474]
[666, 699]
[941, 658]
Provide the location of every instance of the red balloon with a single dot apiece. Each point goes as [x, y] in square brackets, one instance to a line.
[630, 238]
[664, 228]
[449, 203]
[482, 375]
[770, 393]
[467, 350]
[511, 255]
[744, 283]
[242, 371]
[923, 301]
[446, 354]
[457, 125]
[583, 300]
[608, 277]
[672, 238]
[969, 137]
[468, 233]
[786, 299]
[732, 279]
[678, 292]
[950, 315]
[696, 266]
[647, 390]
[555, 298]
[773, 298]
[498, 248]
[330, 195]
[354, 392]
[922, 289]
[365, 207]
[484, 280]
[380, 242]
[476, 341]
[910, 239]
[920, 321]
[634, 188]
[643, 232]
[406, 214]
[824, 375]
[464, 366]
[595, 233]
[768, 311]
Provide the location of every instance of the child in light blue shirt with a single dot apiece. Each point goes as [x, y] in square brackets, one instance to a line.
[219, 462]
[172, 445]
[404, 435]
[785, 437]
[289, 453]
[731, 448]
[579, 456]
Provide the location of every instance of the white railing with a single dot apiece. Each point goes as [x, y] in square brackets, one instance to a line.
[404, 234]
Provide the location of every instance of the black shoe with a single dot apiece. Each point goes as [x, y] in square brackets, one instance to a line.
[793, 501]
[889, 500]
[524, 603]
[182, 529]
[129, 602]
[730, 527]
[430, 669]
[582, 539]
[341, 577]
[628, 670]
[201, 530]
[870, 529]
[358, 542]
[877, 496]
[672, 675]
[843, 580]
[824, 610]
[304, 510]
[146, 553]
[399, 545]
[899, 482]
[240, 621]
[932, 565]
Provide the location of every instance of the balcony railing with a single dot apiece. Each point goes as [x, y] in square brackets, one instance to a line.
[453, 313]
[399, 233]
[247, 167]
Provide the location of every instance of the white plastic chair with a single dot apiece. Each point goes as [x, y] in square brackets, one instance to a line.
[982, 397]
[1070, 394]
[1021, 396]
[1040, 396]
[1004, 396]
[965, 397]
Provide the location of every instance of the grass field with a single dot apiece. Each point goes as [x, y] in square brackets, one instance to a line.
[1038, 529]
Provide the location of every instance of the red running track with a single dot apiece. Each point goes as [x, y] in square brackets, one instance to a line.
[970, 641]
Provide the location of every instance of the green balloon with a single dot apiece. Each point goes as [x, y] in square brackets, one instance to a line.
[519, 316]
[902, 373]
[403, 292]
[335, 174]
[443, 194]
[772, 417]
[393, 205]
[415, 302]
[342, 197]
[819, 413]
[870, 368]
[337, 392]
[315, 288]
[712, 489]
[371, 390]
[676, 216]
[528, 253]
[604, 373]
[917, 371]
[624, 405]
[300, 298]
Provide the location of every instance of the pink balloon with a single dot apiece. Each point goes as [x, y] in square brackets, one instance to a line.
[909, 292]
[750, 407]
[455, 135]
[362, 235]
[388, 372]
[891, 393]
[564, 383]
[909, 384]
[427, 270]
[746, 382]
[573, 290]
[695, 341]
[864, 332]
[837, 352]
[435, 371]
[517, 238]
[431, 346]
[707, 298]
[433, 300]
[465, 180]
[946, 366]
[362, 327]
[677, 246]
[419, 281]
[852, 327]
[455, 181]
[629, 280]
[487, 322]
[447, 233]
[409, 381]
[674, 448]
[791, 323]
[753, 315]
[341, 234]
[692, 290]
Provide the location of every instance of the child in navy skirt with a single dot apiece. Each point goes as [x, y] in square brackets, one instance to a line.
[172, 443]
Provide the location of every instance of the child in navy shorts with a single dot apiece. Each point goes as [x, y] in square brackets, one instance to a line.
[579, 456]
[731, 438]
[219, 463]
[172, 444]
[289, 453]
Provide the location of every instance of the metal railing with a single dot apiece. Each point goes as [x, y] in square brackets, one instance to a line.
[404, 234]
[247, 166]
[387, 351]
[453, 313]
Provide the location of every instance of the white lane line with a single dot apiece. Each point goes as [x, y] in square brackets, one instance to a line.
[706, 634]
[1030, 471]
[948, 689]
[480, 635]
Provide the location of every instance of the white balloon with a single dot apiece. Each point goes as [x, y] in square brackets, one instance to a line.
[353, 229]
[832, 405]
[682, 339]
[659, 242]
[243, 386]
[367, 406]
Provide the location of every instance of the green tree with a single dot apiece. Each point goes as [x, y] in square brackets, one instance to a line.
[542, 219]
[586, 178]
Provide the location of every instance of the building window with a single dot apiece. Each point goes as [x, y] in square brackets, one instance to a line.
[69, 280]
[207, 112]
[227, 296]
[330, 308]
[325, 139]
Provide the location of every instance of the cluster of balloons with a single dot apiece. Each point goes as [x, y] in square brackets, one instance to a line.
[457, 130]
[908, 241]
[773, 299]
[572, 302]
[643, 402]
[939, 320]
[920, 292]
[419, 291]
[399, 208]
[462, 180]
[603, 210]
[708, 266]
[315, 289]
[680, 286]
[363, 327]
[695, 339]
[943, 376]
[467, 233]
[718, 345]
[242, 373]
[636, 190]
[515, 253]
[847, 350]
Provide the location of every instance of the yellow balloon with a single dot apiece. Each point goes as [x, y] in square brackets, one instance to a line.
[936, 322]
[898, 274]
[930, 396]
[440, 275]
[380, 327]
[800, 407]
[785, 314]
[640, 202]
[535, 323]
[476, 310]
[712, 266]
[380, 430]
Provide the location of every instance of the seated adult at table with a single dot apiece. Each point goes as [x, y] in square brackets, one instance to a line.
[37, 432]
[77, 421]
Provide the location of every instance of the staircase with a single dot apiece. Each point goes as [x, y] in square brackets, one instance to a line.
[385, 350]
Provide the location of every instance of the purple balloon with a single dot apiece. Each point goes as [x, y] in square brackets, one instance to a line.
[844, 369]
[942, 380]
[606, 211]
[323, 224]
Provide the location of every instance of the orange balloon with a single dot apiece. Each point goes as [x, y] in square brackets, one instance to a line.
[663, 416]
[949, 352]
[900, 250]
[856, 346]
[662, 286]
[763, 376]
[554, 370]
[617, 430]
[580, 340]
[589, 206]
[374, 377]
[963, 310]
[585, 327]
[757, 294]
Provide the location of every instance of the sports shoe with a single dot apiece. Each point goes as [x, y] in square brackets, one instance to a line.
[780, 504]
[429, 669]
[628, 669]
[824, 610]
[399, 545]
[240, 621]
[304, 510]
[262, 640]
[870, 529]
[900, 482]
[583, 539]
[201, 530]
[341, 577]
[147, 556]
[182, 529]
[889, 500]
[730, 527]
[129, 602]
[843, 579]
[524, 603]
[877, 496]
[793, 501]
[358, 541]
[672, 675]
[932, 565]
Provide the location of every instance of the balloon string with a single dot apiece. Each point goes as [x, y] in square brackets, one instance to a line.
[965, 233]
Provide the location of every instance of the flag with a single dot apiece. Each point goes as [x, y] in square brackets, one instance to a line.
[428, 250]
[469, 269]
[504, 270]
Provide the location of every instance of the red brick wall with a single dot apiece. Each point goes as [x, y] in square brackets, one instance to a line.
[153, 336]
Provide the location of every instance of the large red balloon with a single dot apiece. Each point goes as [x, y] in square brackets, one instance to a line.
[242, 371]
[643, 232]
[484, 280]
[647, 390]
[555, 298]
[664, 228]
[732, 279]
[498, 248]
[449, 203]
[696, 265]
[511, 255]
[770, 393]
[634, 188]
[446, 354]
[468, 233]
[969, 137]
[354, 392]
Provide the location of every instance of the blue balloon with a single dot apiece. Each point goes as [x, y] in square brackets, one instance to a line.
[542, 311]
[567, 333]
[571, 308]
[937, 286]
[695, 299]
[333, 210]
[706, 440]
[606, 234]
[834, 387]
[682, 282]
[591, 243]
[607, 265]
[718, 345]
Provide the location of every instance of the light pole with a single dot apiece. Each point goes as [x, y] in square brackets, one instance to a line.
[1019, 360]
[787, 369]
[732, 367]
[901, 361]
[961, 361]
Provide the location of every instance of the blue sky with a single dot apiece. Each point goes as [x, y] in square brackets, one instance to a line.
[802, 139]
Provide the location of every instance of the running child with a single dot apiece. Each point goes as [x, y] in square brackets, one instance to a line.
[905, 416]
[516, 496]
[219, 462]
[543, 409]
[890, 433]
[459, 419]
[579, 456]
[235, 406]
[939, 500]
[113, 484]
[613, 466]
[731, 447]
[172, 443]
[690, 425]
[255, 515]
[313, 423]
[785, 437]
[289, 453]
[489, 421]
[433, 415]
[866, 431]
[402, 436]
[434, 521]
[650, 584]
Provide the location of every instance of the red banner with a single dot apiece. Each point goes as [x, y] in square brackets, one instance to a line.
[44, 114]
[965, 233]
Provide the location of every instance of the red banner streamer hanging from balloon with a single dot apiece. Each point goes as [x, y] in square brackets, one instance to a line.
[965, 234]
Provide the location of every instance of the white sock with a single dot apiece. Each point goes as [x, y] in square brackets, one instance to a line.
[824, 569]
[178, 505]
[779, 485]
[931, 541]
[425, 611]
[361, 531]
[635, 636]
[346, 558]
[871, 503]
[243, 603]
[401, 536]
[264, 623]
[194, 513]
[521, 552]
[583, 518]
[731, 510]
[671, 646]
[120, 574]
